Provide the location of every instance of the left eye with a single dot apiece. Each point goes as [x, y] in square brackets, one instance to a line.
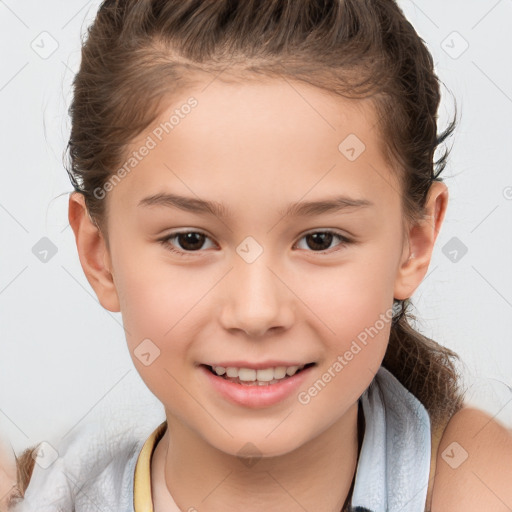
[191, 241]
[320, 239]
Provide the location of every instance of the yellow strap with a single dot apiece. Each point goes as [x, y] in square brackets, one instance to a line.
[142, 498]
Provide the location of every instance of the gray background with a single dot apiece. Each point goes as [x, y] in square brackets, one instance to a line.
[63, 358]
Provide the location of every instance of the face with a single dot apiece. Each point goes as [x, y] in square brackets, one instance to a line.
[249, 284]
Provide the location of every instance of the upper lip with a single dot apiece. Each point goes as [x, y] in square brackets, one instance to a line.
[257, 366]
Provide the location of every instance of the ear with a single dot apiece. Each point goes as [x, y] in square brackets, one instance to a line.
[93, 252]
[420, 242]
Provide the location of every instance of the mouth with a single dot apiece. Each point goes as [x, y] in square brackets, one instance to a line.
[256, 388]
[260, 377]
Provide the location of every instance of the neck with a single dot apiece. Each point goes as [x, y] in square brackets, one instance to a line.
[316, 476]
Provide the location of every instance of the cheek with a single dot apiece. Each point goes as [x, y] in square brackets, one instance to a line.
[153, 298]
[158, 316]
[355, 349]
[349, 298]
[165, 306]
[352, 309]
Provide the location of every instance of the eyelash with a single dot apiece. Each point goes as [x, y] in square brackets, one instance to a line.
[166, 241]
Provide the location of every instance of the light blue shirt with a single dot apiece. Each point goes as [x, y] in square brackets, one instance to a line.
[394, 464]
[95, 469]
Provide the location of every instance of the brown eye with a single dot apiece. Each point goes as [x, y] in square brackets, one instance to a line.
[184, 242]
[190, 241]
[319, 241]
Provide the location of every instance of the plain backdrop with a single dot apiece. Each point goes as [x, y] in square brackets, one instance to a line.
[63, 358]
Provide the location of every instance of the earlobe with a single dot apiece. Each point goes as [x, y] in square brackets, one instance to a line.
[93, 252]
[421, 238]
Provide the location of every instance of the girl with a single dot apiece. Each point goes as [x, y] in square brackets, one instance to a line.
[255, 191]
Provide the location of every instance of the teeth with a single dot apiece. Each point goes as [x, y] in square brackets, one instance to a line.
[261, 376]
[244, 374]
[291, 370]
[265, 375]
[231, 372]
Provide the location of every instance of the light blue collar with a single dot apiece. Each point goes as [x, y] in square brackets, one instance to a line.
[392, 472]
[394, 464]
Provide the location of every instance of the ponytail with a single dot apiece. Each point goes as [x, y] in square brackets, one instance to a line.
[424, 367]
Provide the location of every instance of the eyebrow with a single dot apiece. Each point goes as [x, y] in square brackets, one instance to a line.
[299, 209]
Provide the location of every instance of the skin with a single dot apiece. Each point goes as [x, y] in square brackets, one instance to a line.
[256, 147]
[482, 480]
[7, 473]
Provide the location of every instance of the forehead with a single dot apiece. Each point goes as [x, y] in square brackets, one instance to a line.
[263, 140]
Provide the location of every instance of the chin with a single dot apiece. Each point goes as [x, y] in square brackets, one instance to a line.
[259, 445]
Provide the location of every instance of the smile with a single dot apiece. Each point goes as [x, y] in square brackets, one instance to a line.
[252, 392]
[259, 377]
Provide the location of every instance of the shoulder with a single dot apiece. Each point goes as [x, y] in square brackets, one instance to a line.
[95, 462]
[473, 465]
[7, 482]
[8, 474]
[15, 477]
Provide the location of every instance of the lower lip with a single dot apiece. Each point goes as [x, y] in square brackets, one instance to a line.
[256, 396]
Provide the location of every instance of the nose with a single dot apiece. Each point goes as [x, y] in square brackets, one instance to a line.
[256, 299]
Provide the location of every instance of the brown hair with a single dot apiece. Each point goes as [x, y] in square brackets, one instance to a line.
[139, 53]
[24, 467]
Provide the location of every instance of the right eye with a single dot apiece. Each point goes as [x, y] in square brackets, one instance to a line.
[189, 240]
